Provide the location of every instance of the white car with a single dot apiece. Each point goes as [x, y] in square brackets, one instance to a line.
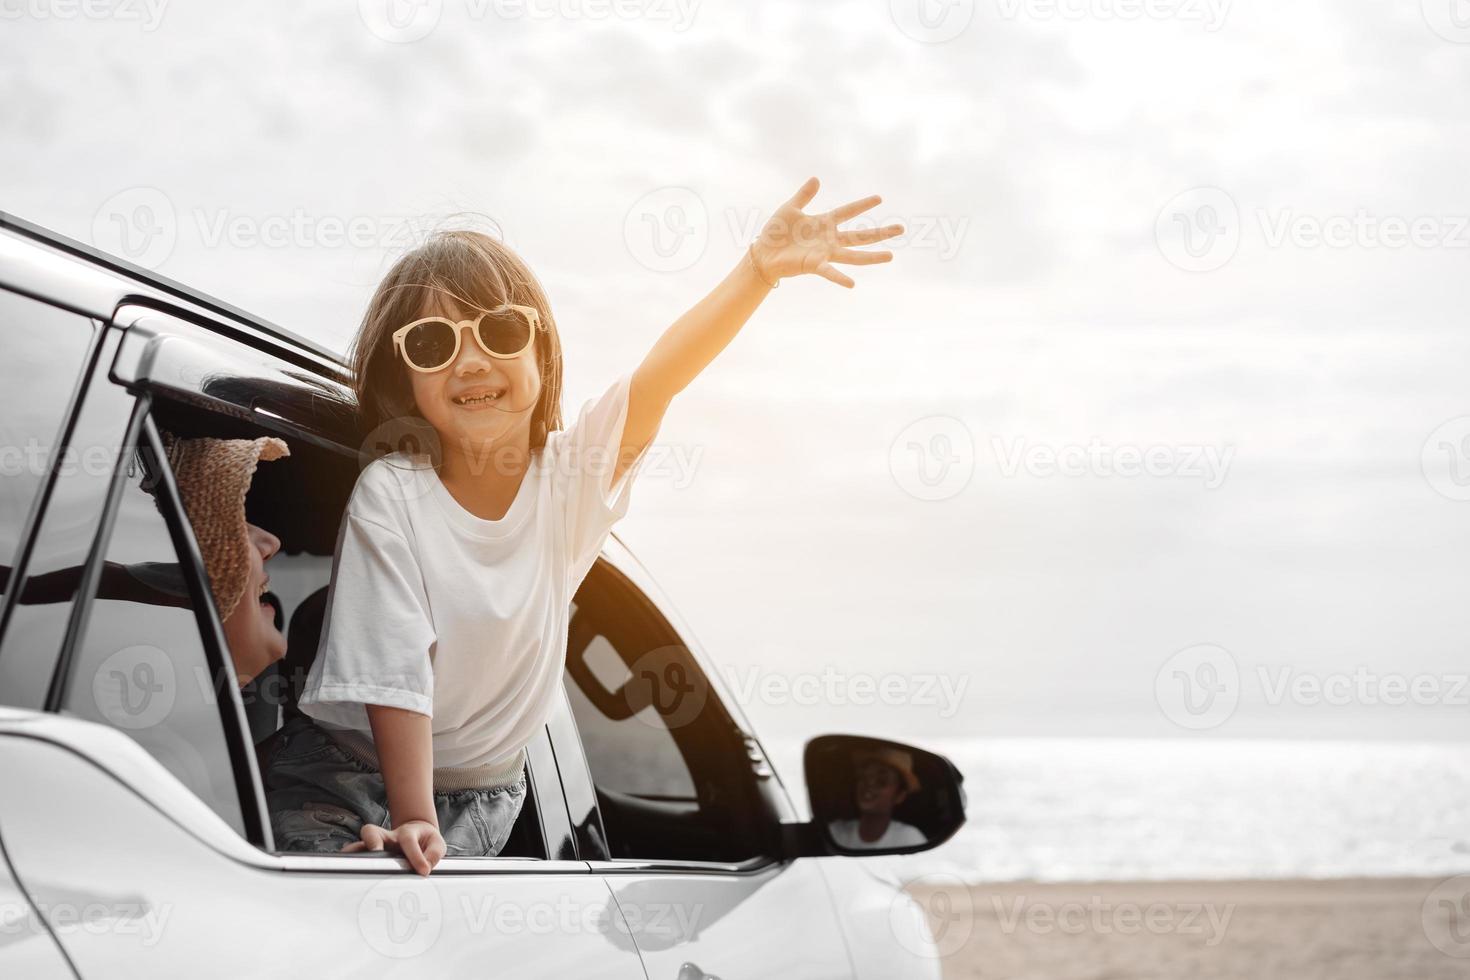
[656, 840]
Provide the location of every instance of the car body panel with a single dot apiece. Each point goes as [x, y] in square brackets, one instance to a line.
[883, 924]
[163, 899]
[775, 921]
[40, 271]
[28, 946]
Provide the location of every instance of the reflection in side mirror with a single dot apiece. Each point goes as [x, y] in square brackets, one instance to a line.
[871, 796]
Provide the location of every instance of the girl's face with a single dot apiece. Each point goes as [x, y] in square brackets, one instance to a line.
[477, 403]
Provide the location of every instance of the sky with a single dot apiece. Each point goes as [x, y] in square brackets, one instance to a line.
[1156, 426]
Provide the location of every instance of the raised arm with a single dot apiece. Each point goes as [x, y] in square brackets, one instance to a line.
[792, 243]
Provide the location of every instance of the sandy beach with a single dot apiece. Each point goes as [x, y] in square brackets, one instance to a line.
[1302, 930]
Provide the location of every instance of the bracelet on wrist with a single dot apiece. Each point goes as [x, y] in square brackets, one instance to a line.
[750, 254]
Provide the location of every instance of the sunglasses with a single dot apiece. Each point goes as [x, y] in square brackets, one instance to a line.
[432, 343]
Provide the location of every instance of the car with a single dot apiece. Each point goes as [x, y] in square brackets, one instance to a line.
[656, 841]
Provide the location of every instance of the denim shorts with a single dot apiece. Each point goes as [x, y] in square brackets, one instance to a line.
[319, 796]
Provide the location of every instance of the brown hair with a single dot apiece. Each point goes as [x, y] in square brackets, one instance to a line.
[475, 272]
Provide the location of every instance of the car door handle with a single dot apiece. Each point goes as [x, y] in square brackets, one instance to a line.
[690, 971]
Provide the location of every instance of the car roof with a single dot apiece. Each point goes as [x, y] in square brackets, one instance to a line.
[123, 281]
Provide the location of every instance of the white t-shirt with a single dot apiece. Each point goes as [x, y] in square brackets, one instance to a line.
[898, 834]
[436, 610]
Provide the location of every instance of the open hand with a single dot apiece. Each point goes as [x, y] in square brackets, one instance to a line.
[417, 840]
[793, 243]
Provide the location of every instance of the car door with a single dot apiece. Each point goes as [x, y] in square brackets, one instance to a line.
[686, 803]
[132, 814]
[27, 946]
[137, 877]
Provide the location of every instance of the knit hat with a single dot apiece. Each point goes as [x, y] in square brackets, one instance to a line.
[213, 476]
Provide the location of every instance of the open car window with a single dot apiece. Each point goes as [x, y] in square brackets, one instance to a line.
[301, 498]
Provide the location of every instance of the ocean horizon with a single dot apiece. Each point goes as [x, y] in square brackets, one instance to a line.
[1125, 809]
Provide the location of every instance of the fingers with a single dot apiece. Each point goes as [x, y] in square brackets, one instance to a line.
[409, 843]
[867, 236]
[852, 256]
[805, 193]
[827, 272]
[435, 848]
[835, 248]
[422, 846]
[373, 837]
[855, 208]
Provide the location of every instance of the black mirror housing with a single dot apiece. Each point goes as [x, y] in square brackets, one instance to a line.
[871, 796]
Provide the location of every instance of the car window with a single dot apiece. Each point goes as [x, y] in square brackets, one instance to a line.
[671, 778]
[36, 621]
[44, 352]
[635, 755]
[140, 666]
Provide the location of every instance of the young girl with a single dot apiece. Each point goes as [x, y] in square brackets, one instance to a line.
[446, 624]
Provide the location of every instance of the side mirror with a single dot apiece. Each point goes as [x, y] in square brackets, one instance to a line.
[871, 796]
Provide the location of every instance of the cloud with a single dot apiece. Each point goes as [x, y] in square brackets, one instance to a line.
[1044, 309]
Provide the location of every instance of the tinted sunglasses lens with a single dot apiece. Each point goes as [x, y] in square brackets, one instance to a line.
[430, 345]
[507, 332]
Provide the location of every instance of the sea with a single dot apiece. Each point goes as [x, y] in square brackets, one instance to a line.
[1063, 809]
